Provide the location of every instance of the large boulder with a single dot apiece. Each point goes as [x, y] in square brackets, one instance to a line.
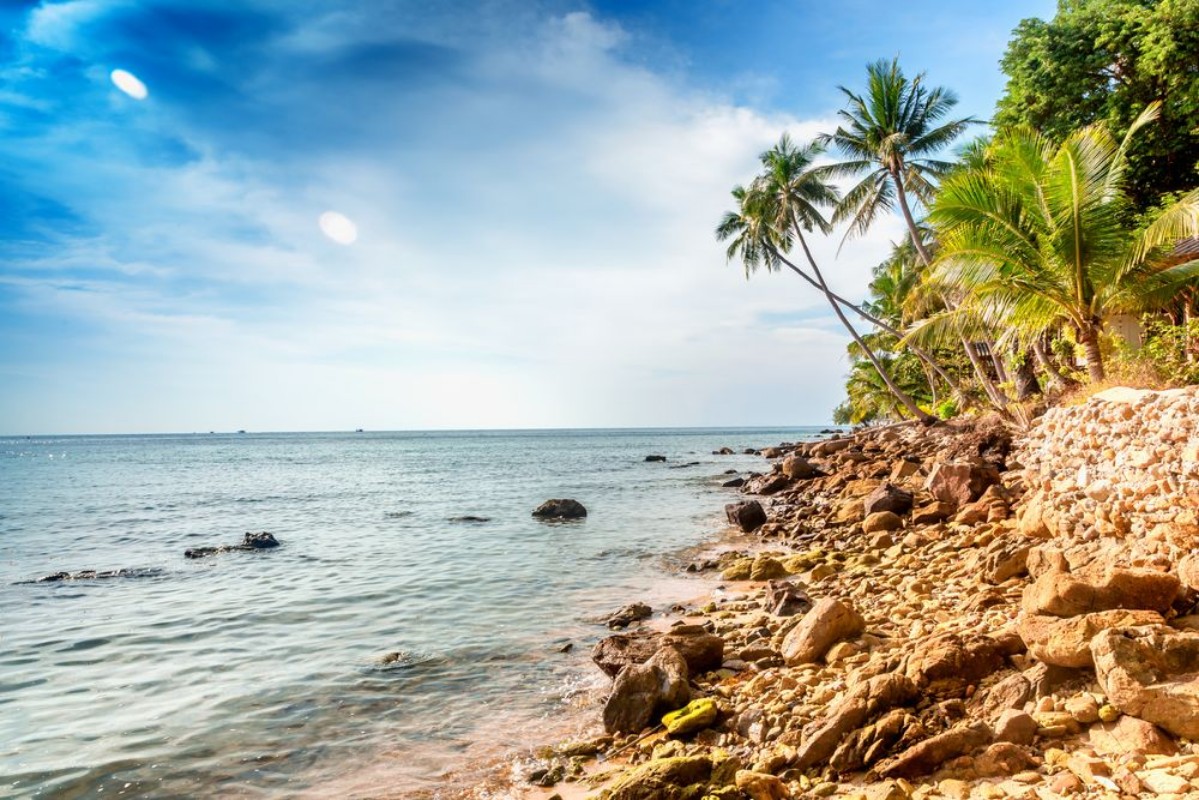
[1151, 672]
[634, 612]
[948, 665]
[748, 515]
[882, 522]
[829, 621]
[887, 497]
[1131, 735]
[798, 468]
[560, 509]
[1064, 594]
[1066, 642]
[862, 702]
[701, 650]
[642, 690]
[960, 482]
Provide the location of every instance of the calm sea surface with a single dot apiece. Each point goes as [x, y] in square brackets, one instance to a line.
[261, 674]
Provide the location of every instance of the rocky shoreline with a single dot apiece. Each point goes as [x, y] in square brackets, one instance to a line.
[929, 612]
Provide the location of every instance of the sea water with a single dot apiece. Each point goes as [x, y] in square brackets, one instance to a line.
[385, 647]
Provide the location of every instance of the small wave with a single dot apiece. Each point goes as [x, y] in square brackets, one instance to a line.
[397, 514]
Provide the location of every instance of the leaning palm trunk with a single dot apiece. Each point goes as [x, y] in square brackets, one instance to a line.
[1088, 335]
[1056, 378]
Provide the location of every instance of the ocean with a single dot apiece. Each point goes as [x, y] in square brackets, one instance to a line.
[387, 647]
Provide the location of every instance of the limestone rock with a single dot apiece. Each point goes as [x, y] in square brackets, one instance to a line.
[1151, 672]
[674, 687]
[1003, 758]
[946, 665]
[931, 514]
[1011, 692]
[829, 621]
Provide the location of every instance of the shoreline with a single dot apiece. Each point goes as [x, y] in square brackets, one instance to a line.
[915, 664]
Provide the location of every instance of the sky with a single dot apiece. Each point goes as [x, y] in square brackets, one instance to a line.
[409, 214]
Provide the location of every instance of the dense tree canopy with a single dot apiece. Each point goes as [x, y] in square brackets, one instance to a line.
[1105, 61]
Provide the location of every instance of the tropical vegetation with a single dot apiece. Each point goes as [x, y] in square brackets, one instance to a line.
[1061, 245]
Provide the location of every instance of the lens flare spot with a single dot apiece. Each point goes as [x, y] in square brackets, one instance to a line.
[130, 84]
[338, 227]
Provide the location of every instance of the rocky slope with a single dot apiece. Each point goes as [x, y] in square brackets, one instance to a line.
[932, 613]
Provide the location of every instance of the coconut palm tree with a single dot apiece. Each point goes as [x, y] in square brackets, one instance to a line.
[1038, 234]
[892, 133]
[777, 210]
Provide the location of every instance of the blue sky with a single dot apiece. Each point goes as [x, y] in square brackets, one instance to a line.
[533, 187]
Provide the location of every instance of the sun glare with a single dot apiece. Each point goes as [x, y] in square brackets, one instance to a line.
[338, 227]
[130, 84]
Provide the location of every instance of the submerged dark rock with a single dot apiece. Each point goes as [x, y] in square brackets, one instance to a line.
[655, 458]
[560, 509]
[471, 518]
[93, 575]
[251, 541]
[631, 613]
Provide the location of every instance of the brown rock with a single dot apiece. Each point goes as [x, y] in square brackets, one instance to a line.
[701, 650]
[882, 521]
[630, 707]
[797, 467]
[1015, 726]
[868, 744]
[664, 779]
[785, 599]
[862, 702]
[931, 514]
[1043, 559]
[761, 786]
[1067, 595]
[946, 665]
[829, 621]
[1188, 570]
[904, 469]
[1066, 642]
[887, 497]
[1004, 561]
[766, 568]
[1151, 672]
[674, 687]
[1003, 758]
[1011, 692]
[1131, 735]
[748, 515]
[960, 482]
[926, 756]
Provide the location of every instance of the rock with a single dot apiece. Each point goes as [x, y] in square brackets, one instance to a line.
[766, 568]
[882, 521]
[94, 575]
[931, 514]
[947, 665]
[634, 696]
[887, 497]
[1187, 570]
[925, 756]
[560, 509]
[657, 458]
[679, 778]
[695, 716]
[1004, 562]
[701, 650]
[748, 515]
[1131, 735]
[469, 519]
[799, 468]
[1151, 672]
[733, 483]
[1066, 642]
[1160, 781]
[861, 748]
[1084, 708]
[904, 468]
[251, 541]
[960, 482]
[631, 613]
[761, 786]
[829, 621]
[785, 599]
[1063, 594]
[1047, 679]
[1043, 559]
[861, 702]
[1011, 692]
[1016, 727]
[1003, 758]
[674, 687]
[766, 484]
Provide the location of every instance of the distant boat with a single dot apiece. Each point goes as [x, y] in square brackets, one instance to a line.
[241, 431]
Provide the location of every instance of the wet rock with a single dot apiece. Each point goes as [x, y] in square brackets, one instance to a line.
[470, 518]
[924, 757]
[251, 541]
[748, 515]
[631, 613]
[1066, 642]
[681, 778]
[560, 509]
[695, 716]
[701, 650]
[99, 575]
[652, 459]
[829, 621]
[733, 483]
[1063, 594]
[1151, 672]
[674, 687]
[634, 696]
[887, 497]
[766, 484]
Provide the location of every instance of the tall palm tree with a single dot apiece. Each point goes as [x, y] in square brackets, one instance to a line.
[1038, 234]
[892, 133]
[779, 207]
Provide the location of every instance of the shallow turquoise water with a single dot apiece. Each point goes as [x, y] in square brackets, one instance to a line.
[259, 674]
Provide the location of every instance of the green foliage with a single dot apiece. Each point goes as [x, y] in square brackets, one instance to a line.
[1173, 350]
[1103, 61]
